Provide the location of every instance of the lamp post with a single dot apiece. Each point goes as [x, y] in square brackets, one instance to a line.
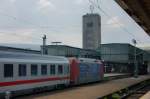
[135, 60]
[44, 45]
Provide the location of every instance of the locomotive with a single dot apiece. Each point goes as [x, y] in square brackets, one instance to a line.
[22, 73]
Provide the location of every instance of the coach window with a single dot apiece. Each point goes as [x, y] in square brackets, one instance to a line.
[44, 69]
[52, 69]
[60, 69]
[34, 70]
[22, 70]
[8, 70]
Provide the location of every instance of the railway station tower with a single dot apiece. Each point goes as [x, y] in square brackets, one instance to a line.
[91, 31]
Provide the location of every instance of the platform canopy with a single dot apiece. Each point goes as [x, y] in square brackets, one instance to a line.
[139, 10]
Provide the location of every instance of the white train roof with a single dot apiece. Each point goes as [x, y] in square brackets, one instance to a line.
[91, 60]
[15, 56]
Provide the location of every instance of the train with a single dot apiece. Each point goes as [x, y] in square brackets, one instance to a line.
[22, 73]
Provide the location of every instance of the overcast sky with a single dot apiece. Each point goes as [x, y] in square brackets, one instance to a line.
[25, 22]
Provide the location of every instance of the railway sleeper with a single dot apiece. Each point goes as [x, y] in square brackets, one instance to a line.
[124, 93]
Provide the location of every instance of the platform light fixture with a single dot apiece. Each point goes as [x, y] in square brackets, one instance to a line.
[135, 59]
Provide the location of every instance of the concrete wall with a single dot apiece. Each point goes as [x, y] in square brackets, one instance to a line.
[91, 31]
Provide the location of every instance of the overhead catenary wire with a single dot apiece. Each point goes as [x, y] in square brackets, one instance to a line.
[24, 22]
[46, 27]
[126, 30]
[30, 23]
[12, 34]
[16, 19]
[109, 16]
[53, 28]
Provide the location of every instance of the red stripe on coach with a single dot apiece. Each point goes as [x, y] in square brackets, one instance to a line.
[20, 82]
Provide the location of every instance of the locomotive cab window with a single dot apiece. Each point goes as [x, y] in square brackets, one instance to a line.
[8, 70]
[52, 69]
[60, 69]
[43, 69]
[34, 69]
[22, 70]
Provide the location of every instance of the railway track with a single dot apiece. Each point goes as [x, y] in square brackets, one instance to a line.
[139, 93]
[131, 92]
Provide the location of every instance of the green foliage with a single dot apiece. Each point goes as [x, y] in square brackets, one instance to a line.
[105, 98]
[115, 96]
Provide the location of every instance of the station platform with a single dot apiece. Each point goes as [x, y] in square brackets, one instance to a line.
[114, 74]
[146, 96]
[92, 91]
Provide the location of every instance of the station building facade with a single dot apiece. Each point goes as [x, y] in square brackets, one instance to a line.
[119, 57]
[68, 51]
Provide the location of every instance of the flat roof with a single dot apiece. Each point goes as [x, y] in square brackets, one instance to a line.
[66, 46]
[21, 49]
[139, 10]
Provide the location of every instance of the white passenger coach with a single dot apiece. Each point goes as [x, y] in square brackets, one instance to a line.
[25, 73]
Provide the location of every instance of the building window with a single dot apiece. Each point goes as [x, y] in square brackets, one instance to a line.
[90, 24]
[34, 70]
[8, 70]
[60, 69]
[22, 70]
[52, 70]
[44, 69]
